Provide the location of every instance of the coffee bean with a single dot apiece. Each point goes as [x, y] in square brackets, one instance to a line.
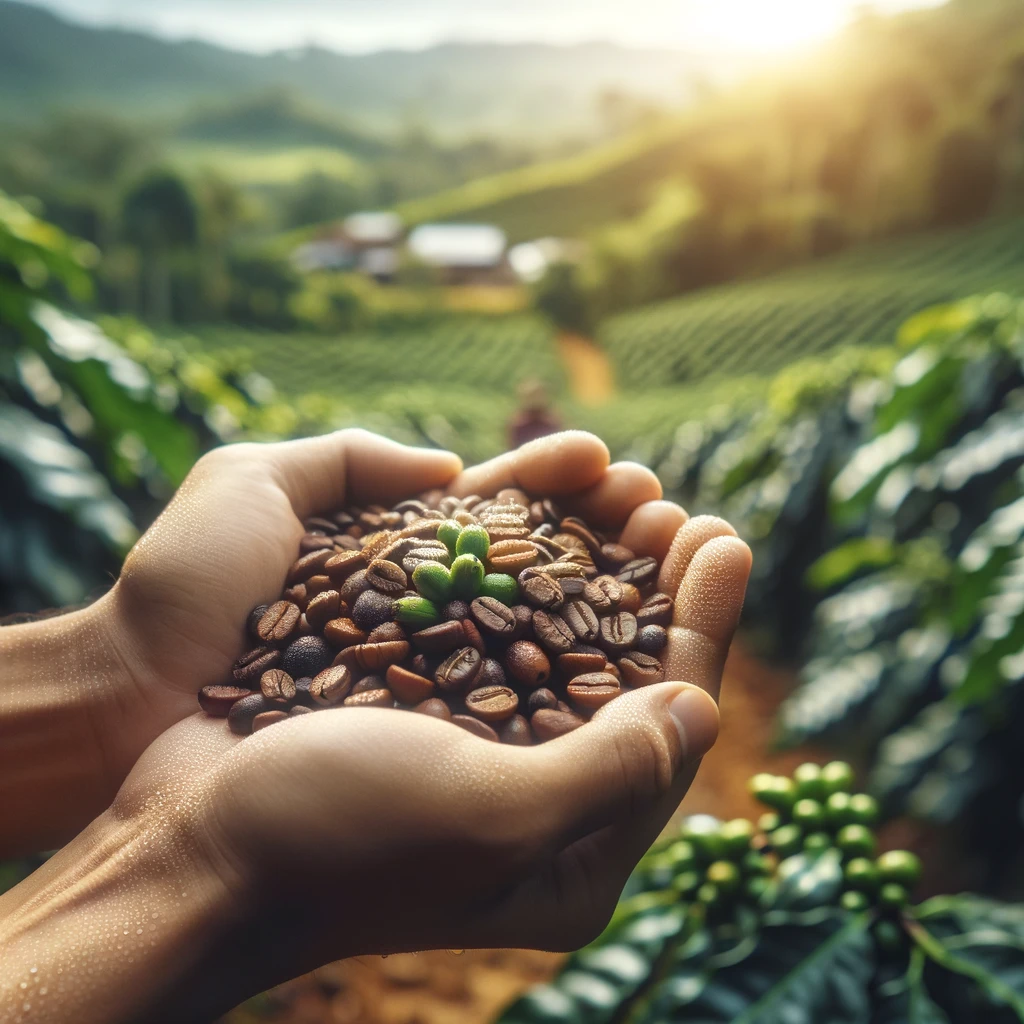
[302, 694]
[593, 690]
[491, 674]
[573, 587]
[331, 686]
[440, 639]
[564, 708]
[512, 556]
[493, 617]
[541, 699]
[613, 557]
[455, 610]
[266, 718]
[251, 665]
[527, 663]
[342, 633]
[344, 564]
[377, 657]
[296, 594]
[370, 699]
[343, 542]
[377, 543]
[299, 709]
[408, 687]
[411, 505]
[308, 565]
[372, 609]
[433, 551]
[640, 572]
[657, 610]
[618, 632]
[576, 664]
[245, 710]
[388, 578]
[580, 618]
[516, 731]
[536, 513]
[216, 701]
[652, 639]
[541, 590]
[553, 632]
[385, 632]
[316, 542]
[569, 543]
[458, 671]
[277, 685]
[436, 708]
[640, 669]
[549, 725]
[317, 585]
[306, 656]
[319, 524]
[631, 599]
[279, 622]
[253, 621]
[492, 703]
[473, 635]
[613, 670]
[524, 621]
[423, 666]
[576, 527]
[475, 726]
[368, 683]
[322, 608]
[603, 594]
[545, 531]
[356, 585]
[513, 496]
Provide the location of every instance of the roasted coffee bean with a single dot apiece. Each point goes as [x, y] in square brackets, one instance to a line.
[388, 578]
[378, 542]
[516, 731]
[473, 636]
[245, 710]
[342, 519]
[377, 657]
[536, 513]
[341, 633]
[526, 663]
[475, 726]
[576, 527]
[216, 701]
[543, 532]
[458, 671]
[316, 542]
[640, 669]
[436, 708]
[344, 564]
[618, 632]
[276, 684]
[368, 683]
[603, 594]
[299, 709]
[491, 674]
[512, 556]
[613, 557]
[513, 496]
[549, 725]
[640, 572]
[577, 664]
[524, 621]
[251, 665]
[370, 699]
[492, 617]
[344, 542]
[492, 703]
[573, 586]
[317, 585]
[302, 687]
[580, 618]
[308, 565]
[253, 621]
[423, 666]
[652, 639]
[571, 543]
[322, 608]
[319, 524]
[631, 599]
[440, 639]
[265, 718]
[613, 670]
[426, 552]
[552, 632]
[279, 622]
[455, 610]
[385, 632]
[541, 591]
[306, 656]
[372, 609]
[296, 594]
[657, 610]
[354, 587]
[540, 699]
[331, 686]
[408, 687]
[411, 505]
[593, 690]
[561, 569]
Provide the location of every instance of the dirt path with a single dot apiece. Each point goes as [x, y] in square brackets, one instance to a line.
[591, 377]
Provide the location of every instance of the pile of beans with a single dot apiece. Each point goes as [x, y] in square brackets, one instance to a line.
[502, 616]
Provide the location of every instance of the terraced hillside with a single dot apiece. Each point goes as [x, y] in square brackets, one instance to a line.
[859, 297]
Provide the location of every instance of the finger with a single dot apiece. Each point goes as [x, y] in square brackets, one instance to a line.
[652, 527]
[707, 611]
[611, 501]
[560, 464]
[354, 466]
[688, 541]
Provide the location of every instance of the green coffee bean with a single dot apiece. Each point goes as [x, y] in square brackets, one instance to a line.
[703, 831]
[856, 841]
[755, 863]
[776, 791]
[724, 875]
[837, 810]
[755, 888]
[500, 586]
[416, 612]
[861, 873]
[448, 534]
[708, 894]
[787, 840]
[808, 814]
[434, 582]
[863, 809]
[473, 540]
[736, 836]
[837, 777]
[467, 577]
[899, 866]
[817, 842]
[687, 883]
[769, 821]
[854, 901]
[681, 855]
[893, 896]
[807, 779]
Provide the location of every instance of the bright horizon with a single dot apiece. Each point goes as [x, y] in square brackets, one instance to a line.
[765, 27]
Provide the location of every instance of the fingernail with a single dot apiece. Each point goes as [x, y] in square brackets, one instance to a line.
[696, 718]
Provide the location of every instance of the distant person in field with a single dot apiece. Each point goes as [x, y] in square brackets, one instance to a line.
[535, 417]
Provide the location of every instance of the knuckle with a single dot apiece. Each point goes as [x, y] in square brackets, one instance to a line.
[645, 758]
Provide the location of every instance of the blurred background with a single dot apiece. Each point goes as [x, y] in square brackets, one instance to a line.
[775, 251]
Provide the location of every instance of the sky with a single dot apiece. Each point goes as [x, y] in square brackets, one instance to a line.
[360, 25]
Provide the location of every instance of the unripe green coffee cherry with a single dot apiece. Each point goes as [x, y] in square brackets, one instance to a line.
[416, 613]
[708, 894]
[817, 842]
[473, 540]
[433, 581]
[725, 875]
[769, 821]
[863, 809]
[807, 779]
[467, 577]
[681, 855]
[500, 586]
[861, 873]
[687, 883]
[704, 832]
[755, 888]
[837, 810]
[736, 836]
[787, 840]
[448, 534]
[755, 863]
[776, 791]
[893, 896]
[856, 841]
[808, 814]
[854, 901]
[900, 866]
[837, 777]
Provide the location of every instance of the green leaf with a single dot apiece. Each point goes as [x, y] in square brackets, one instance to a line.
[855, 556]
[906, 1000]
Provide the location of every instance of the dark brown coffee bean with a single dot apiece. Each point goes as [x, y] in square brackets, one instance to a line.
[423, 666]
[491, 674]
[299, 709]
[561, 569]
[603, 594]
[436, 708]
[639, 669]
[593, 690]
[423, 555]
[411, 505]
[356, 585]
[524, 621]
[580, 618]
[577, 664]
[549, 725]
[652, 639]
[216, 701]
[576, 527]
[492, 703]
[316, 542]
[317, 585]
[297, 595]
[545, 531]
[581, 559]
[302, 694]
[493, 617]
[475, 726]
[564, 708]
[541, 590]
[640, 572]
[308, 565]
[552, 632]
[613, 670]
[251, 665]
[631, 599]
[455, 610]
[342, 633]
[370, 699]
[253, 621]
[322, 608]
[368, 683]
[245, 710]
[372, 609]
[527, 663]
[385, 632]
[541, 699]
[306, 656]
[570, 544]
[408, 687]
[473, 636]
[331, 686]
[276, 684]
[267, 718]
[388, 578]
[512, 556]
[344, 542]
[618, 632]
[344, 564]
[657, 610]
[574, 587]
[440, 639]
[458, 671]
[516, 731]
[613, 557]
[536, 513]
[319, 524]
[279, 622]
[377, 657]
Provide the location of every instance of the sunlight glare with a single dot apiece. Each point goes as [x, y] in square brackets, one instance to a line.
[767, 26]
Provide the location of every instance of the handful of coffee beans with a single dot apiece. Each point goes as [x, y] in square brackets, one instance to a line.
[500, 615]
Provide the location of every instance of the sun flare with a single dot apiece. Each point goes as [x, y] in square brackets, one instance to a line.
[767, 26]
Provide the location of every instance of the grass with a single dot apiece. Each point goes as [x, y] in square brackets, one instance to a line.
[254, 166]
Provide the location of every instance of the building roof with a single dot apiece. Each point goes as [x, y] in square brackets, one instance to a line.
[373, 228]
[458, 245]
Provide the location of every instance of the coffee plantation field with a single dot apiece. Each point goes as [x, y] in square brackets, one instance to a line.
[858, 298]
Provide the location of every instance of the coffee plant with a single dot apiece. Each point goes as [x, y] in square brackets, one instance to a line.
[796, 919]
